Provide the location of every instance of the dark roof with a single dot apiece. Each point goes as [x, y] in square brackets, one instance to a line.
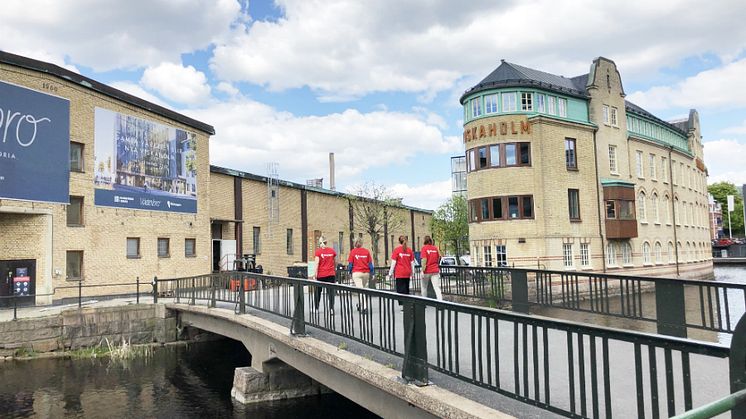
[288, 184]
[632, 108]
[72, 77]
[514, 75]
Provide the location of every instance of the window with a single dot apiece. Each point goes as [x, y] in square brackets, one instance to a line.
[501, 256]
[509, 102]
[76, 157]
[646, 253]
[257, 237]
[673, 172]
[476, 107]
[676, 213]
[671, 254]
[550, 105]
[74, 263]
[614, 121]
[525, 153]
[570, 160]
[527, 205]
[499, 155]
[488, 256]
[611, 254]
[658, 253]
[494, 155]
[651, 166]
[626, 210]
[654, 208]
[606, 114]
[289, 241]
[482, 152]
[562, 107]
[641, 213]
[497, 208]
[626, 254]
[490, 104]
[612, 159]
[585, 255]
[133, 247]
[610, 210]
[527, 101]
[567, 258]
[640, 168]
[573, 201]
[501, 208]
[163, 248]
[75, 211]
[190, 248]
[510, 154]
[664, 169]
[540, 105]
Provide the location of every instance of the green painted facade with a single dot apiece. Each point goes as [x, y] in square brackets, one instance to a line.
[576, 109]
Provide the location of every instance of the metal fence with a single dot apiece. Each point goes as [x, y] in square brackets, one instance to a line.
[568, 368]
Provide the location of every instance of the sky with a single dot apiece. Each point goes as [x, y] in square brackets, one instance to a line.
[378, 82]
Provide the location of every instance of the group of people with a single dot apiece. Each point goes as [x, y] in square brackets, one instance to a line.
[360, 265]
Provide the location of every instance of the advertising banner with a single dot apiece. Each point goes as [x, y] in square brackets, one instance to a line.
[34, 145]
[141, 164]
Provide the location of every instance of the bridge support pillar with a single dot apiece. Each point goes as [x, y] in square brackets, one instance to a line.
[279, 381]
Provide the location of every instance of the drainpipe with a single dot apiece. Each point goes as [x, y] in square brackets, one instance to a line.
[673, 203]
[598, 204]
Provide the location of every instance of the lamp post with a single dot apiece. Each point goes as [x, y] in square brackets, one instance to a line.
[731, 205]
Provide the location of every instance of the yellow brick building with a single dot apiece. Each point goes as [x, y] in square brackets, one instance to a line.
[565, 174]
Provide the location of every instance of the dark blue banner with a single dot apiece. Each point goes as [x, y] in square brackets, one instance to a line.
[143, 201]
[34, 145]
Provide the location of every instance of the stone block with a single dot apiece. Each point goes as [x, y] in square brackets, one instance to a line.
[165, 330]
[46, 345]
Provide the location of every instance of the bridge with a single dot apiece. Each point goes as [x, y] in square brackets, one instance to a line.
[457, 359]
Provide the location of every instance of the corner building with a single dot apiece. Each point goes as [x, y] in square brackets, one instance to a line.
[565, 174]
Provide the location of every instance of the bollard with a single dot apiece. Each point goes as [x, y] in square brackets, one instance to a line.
[155, 289]
[137, 290]
[414, 367]
[15, 307]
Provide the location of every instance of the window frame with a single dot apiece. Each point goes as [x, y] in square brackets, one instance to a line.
[80, 266]
[574, 215]
[137, 255]
[475, 157]
[639, 164]
[568, 259]
[256, 240]
[485, 205]
[571, 163]
[194, 247]
[508, 104]
[81, 206]
[167, 241]
[613, 161]
[585, 255]
[476, 105]
[605, 115]
[527, 101]
[73, 145]
[562, 107]
[614, 117]
[652, 166]
[289, 245]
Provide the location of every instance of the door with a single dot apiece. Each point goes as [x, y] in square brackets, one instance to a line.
[17, 278]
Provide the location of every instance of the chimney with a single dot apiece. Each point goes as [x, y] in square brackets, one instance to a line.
[332, 185]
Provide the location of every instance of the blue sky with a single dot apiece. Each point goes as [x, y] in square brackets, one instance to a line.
[378, 83]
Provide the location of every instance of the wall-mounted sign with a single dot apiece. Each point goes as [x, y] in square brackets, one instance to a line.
[141, 164]
[34, 145]
[494, 129]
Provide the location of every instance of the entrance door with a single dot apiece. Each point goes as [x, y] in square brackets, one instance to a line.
[17, 277]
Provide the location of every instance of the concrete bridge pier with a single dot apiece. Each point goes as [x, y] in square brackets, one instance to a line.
[276, 381]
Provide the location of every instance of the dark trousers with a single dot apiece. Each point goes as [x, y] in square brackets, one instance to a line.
[402, 286]
[329, 292]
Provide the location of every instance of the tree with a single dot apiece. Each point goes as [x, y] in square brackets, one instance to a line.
[720, 192]
[450, 226]
[372, 213]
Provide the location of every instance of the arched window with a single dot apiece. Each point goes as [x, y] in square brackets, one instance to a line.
[687, 253]
[646, 253]
[676, 213]
[641, 207]
[654, 208]
[684, 213]
[611, 254]
[658, 253]
[667, 209]
[671, 253]
[626, 253]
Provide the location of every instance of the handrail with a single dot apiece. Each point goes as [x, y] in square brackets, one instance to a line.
[715, 408]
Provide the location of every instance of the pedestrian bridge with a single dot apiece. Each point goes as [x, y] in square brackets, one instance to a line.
[458, 359]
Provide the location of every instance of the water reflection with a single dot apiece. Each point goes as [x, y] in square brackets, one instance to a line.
[183, 382]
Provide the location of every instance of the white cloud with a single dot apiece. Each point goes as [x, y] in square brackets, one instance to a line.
[711, 88]
[724, 159]
[740, 129]
[137, 90]
[428, 196]
[177, 83]
[346, 49]
[250, 134]
[227, 88]
[111, 34]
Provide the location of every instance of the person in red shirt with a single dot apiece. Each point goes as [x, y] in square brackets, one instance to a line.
[402, 265]
[360, 265]
[325, 272]
[430, 257]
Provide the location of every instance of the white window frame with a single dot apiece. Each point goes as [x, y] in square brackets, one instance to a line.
[646, 260]
[606, 114]
[487, 252]
[585, 255]
[540, 103]
[658, 253]
[613, 167]
[611, 254]
[671, 253]
[639, 165]
[509, 102]
[664, 170]
[614, 119]
[627, 254]
[654, 208]
[562, 107]
[551, 110]
[527, 101]
[568, 260]
[490, 104]
[651, 166]
[641, 212]
[501, 255]
[476, 107]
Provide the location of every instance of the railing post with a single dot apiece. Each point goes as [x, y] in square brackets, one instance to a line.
[15, 306]
[80, 293]
[137, 290]
[212, 291]
[178, 291]
[414, 368]
[737, 363]
[670, 311]
[155, 289]
[242, 297]
[519, 291]
[298, 326]
[194, 290]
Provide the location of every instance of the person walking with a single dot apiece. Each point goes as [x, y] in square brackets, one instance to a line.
[402, 265]
[325, 272]
[360, 265]
[430, 257]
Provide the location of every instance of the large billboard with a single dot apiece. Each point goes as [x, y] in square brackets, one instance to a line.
[141, 164]
[34, 145]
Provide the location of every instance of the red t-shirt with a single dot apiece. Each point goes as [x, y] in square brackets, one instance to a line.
[360, 258]
[403, 260]
[326, 257]
[432, 255]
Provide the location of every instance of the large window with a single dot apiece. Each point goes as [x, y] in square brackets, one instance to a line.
[671, 253]
[567, 258]
[495, 155]
[611, 254]
[651, 166]
[164, 248]
[585, 255]
[626, 253]
[667, 209]
[571, 161]
[573, 201]
[501, 256]
[654, 208]
[550, 105]
[74, 264]
[658, 253]
[133, 247]
[646, 253]
[638, 161]
[76, 157]
[487, 256]
[611, 210]
[641, 213]
[289, 241]
[606, 114]
[527, 101]
[509, 102]
[510, 155]
[499, 155]
[612, 159]
[562, 107]
[75, 211]
[614, 121]
[190, 248]
[501, 208]
[476, 107]
[540, 103]
[490, 104]
[482, 153]
[257, 239]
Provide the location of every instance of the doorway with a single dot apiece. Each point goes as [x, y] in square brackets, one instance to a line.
[17, 277]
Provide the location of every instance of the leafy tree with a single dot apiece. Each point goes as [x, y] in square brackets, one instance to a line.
[720, 192]
[372, 213]
[450, 226]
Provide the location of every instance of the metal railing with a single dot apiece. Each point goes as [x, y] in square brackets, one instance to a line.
[561, 366]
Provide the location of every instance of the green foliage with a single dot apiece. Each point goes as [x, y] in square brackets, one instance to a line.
[342, 346]
[720, 192]
[450, 226]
